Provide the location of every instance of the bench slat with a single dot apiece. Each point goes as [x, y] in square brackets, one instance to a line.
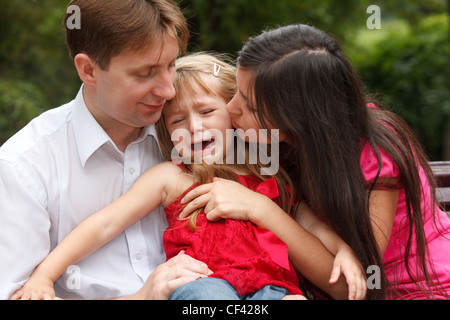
[441, 171]
[443, 196]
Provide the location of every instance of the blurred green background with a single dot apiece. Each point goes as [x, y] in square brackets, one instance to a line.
[405, 62]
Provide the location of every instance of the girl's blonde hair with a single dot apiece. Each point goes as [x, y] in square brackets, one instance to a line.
[199, 71]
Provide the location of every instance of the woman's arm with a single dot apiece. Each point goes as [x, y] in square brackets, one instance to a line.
[228, 199]
[382, 209]
[345, 261]
[144, 196]
[306, 252]
[306, 218]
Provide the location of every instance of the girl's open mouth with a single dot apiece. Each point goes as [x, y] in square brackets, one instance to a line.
[203, 145]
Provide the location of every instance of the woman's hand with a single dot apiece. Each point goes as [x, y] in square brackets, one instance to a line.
[347, 264]
[226, 199]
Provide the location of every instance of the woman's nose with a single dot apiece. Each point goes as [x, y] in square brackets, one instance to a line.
[233, 106]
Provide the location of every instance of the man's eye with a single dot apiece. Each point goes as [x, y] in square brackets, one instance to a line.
[145, 73]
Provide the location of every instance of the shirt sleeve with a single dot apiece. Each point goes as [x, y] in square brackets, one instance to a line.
[24, 228]
[369, 164]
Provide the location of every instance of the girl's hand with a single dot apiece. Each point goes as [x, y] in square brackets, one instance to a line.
[347, 264]
[226, 199]
[36, 288]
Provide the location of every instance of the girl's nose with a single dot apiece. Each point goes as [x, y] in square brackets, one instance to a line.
[195, 125]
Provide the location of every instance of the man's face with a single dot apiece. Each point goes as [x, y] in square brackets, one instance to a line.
[134, 88]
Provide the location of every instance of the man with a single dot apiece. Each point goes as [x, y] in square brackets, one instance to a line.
[74, 160]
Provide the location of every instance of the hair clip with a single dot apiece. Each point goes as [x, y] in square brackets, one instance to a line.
[216, 69]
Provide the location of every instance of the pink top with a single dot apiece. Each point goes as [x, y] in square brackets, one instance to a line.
[438, 244]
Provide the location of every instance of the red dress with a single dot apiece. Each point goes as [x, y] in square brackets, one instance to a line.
[246, 256]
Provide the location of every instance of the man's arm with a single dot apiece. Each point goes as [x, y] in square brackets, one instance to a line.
[24, 227]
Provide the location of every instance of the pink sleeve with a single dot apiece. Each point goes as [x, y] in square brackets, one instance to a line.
[369, 164]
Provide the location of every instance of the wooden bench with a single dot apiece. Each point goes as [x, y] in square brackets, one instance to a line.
[441, 170]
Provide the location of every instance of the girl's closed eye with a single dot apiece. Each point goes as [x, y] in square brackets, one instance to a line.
[207, 111]
[177, 120]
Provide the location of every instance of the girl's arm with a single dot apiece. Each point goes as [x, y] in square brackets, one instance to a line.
[229, 199]
[144, 196]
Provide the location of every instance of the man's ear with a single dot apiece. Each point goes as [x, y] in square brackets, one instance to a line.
[86, 68]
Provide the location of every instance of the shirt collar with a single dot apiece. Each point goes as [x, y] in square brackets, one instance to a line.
[89, 135]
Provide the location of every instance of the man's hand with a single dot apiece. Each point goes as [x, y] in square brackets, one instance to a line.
[170, 275]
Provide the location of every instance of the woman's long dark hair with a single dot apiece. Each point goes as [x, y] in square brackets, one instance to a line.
[304, 86]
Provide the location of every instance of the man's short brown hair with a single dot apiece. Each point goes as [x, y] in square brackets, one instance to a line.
[109, 27]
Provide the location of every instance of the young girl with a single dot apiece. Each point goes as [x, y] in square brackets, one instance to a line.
[356, 165]
[248, 262]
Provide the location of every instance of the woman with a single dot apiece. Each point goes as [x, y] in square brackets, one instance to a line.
[356, 165]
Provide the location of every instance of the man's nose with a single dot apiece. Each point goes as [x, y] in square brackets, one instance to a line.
[165, 88]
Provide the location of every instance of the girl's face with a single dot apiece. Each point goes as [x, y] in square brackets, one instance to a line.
[244, 112]
[200, 126]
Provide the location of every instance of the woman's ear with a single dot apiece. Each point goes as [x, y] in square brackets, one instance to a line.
[86, 68]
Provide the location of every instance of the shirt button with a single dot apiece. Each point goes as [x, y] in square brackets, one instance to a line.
[131, 171]
[138, 256]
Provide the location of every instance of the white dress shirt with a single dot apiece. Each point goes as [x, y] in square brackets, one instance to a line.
[54, 173]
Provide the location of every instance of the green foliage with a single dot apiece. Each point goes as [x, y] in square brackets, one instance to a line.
[223, 25]
[19, 101]
[408, 66]
[36, 72]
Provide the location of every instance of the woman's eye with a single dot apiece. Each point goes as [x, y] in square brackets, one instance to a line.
[250, 108]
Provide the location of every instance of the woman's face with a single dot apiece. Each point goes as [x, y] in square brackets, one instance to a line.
[244, 113]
